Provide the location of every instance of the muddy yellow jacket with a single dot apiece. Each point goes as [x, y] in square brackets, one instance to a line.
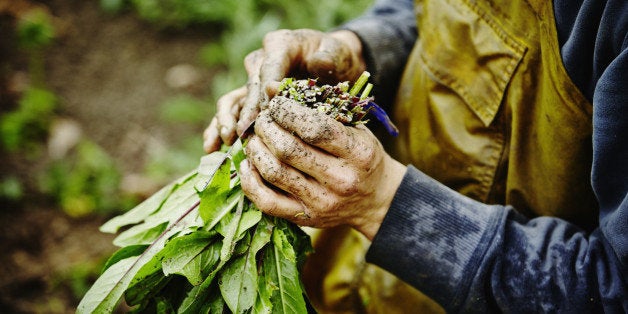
[513, 119]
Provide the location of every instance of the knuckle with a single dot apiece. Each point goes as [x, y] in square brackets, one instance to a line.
[301, 33]
[272, 172]
[222, 102]
[253, 56]
[270, 36]
[317, 131]
[288, 151]
[225, 103]
[266, 205]
[366, 156]
[348, 185]
[326, 204]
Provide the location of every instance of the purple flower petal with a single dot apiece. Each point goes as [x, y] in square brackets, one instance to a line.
[381, 115]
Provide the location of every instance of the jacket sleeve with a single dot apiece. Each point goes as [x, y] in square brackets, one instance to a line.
[388, 32]
[473, 257]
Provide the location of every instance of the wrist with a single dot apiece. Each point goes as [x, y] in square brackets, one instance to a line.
[393, 174]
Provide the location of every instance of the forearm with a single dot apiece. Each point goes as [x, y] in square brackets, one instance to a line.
[469, 256]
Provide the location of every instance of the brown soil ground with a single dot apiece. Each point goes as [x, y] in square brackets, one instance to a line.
[108, 71]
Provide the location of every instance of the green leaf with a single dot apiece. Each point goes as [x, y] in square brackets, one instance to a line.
[178, 202]
[214, 196]
[192, 256]
[173, 208]
[248, 220]
[195, 299]
[125, 252]
[250, 216]
[298, 239]
[238, 283]
[103, 296]
[198, 297]
[218, 213]
[151, 205]
[265, 288]
[216, 302]
[230, 233]
[147, 281]
[175, 257]
[163, 306]
[237, 153]
[238, 280]
[152, 280]
[210, 163]
[108, 292]
[173, 292]
[280, 270]
[143, 234]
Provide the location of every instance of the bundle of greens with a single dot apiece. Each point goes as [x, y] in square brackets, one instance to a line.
[199, 245]
[338, 101]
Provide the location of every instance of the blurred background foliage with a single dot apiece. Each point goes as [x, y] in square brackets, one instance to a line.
[52, 161]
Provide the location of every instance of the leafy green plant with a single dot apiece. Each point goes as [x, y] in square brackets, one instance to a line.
[11, 188]
[34, 33]
[84, 183]
[23, 127]
[199, 245]
[35, 30]
[184, 108]
[162, 163]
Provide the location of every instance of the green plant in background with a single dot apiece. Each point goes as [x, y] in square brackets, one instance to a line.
[161, 164]
[35, 30]
[23, 128]
[34, 33]
[11, 188]
[239, 25]
[184, 108]
[85, 182]
[29, 122]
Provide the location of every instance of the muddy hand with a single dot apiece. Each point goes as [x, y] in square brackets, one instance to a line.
[308, 168]
[330, 57]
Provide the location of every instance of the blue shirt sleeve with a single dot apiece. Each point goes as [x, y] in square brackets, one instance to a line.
[474, 257]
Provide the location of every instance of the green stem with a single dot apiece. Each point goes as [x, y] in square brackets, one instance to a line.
[367, 91]
[359, 83]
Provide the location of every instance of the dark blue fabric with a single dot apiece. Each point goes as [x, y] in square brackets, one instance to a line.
[473, 257]
[591, 34]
